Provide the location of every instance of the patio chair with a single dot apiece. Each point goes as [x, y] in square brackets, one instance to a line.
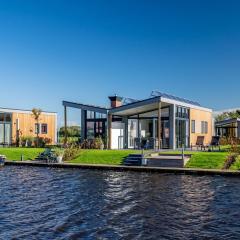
[199, 143]
[137, 143]
[215, 142]
[152, 143]
[48, 155]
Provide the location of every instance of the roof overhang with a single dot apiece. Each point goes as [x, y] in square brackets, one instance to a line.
[136, 108]
[227, 122]
[85, 107]
[183, 104]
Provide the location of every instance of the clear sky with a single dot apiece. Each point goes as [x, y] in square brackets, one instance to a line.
[86, 50]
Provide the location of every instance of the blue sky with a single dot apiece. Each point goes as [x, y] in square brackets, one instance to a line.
[86, 50]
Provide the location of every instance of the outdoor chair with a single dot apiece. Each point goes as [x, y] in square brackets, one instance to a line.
[137, 143]
[215, 142]
[199, 143]
[48, 155]
[152, 143]
[145, 143]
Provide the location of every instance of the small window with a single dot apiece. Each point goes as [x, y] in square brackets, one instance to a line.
[204, 127]
[37, 128]
[193, 126]
[44, 128]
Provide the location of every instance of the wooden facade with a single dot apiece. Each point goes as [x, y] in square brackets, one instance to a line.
[201, 117]
[23, 124]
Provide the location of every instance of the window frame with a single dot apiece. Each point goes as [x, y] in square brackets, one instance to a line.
[42, 126]
[193, 126]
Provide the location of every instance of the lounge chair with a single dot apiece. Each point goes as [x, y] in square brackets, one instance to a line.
[215, 142]
[137, 143]
[48, 155]
[199, 143]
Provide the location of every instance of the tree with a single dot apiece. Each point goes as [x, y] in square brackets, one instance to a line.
[72, 131]
[36, 114]
[228, 115]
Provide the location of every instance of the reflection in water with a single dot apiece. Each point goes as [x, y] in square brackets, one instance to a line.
[86, 204]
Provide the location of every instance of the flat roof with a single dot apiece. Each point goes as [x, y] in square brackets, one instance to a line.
[227, 121]
[3, 109]
[172, 97]
[140, 105]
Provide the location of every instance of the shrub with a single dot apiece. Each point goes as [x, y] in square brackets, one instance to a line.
[231, 158]
[59, 152]
[26, 141]
[229, 141]
[96, 143]
[70, 153]
[41, 142]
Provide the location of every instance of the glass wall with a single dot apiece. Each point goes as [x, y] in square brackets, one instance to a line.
[182, 127]
[95, 125]
[5, 128]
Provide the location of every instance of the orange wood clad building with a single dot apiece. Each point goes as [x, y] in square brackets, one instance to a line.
[17, 123]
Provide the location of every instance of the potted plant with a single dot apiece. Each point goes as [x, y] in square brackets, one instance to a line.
[59, 154]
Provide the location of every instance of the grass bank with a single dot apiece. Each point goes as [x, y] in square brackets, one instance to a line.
[207, 160]
[15, 153]
[203, 160]
[114, 157]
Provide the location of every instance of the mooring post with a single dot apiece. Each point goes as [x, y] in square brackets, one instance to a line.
[21, 157]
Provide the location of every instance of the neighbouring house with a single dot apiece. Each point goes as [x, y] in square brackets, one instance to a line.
[160, 121]
[16, 124]
[228, 127]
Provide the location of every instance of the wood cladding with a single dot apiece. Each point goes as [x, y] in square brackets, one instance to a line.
[25, 123]
[200, 116]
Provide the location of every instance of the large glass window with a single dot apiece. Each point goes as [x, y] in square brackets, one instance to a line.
[1, 133]
[90, 115]
[8, 117]
[95, 129]
[7, 133]
[90, 130]
[182, 112]
[182, 127]
[182, 133]
[1, 117]
[5, 128]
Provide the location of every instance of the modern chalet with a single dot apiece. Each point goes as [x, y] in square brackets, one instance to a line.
[161, 121]
[17, 123]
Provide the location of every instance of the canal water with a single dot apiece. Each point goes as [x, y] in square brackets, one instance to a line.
[44, 203]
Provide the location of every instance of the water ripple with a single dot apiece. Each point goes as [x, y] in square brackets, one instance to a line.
[44, 203]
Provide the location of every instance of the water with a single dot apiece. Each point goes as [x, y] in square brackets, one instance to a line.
[44, 203]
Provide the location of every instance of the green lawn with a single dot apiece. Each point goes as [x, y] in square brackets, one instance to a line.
[210, 160]
[236, 165]
[207, 160]
[102, 156]
[15, 153]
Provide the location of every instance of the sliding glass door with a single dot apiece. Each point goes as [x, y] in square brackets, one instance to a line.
[182, 133]
[182, 127]
[5, 128]
[7, 133]
[1, 133]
